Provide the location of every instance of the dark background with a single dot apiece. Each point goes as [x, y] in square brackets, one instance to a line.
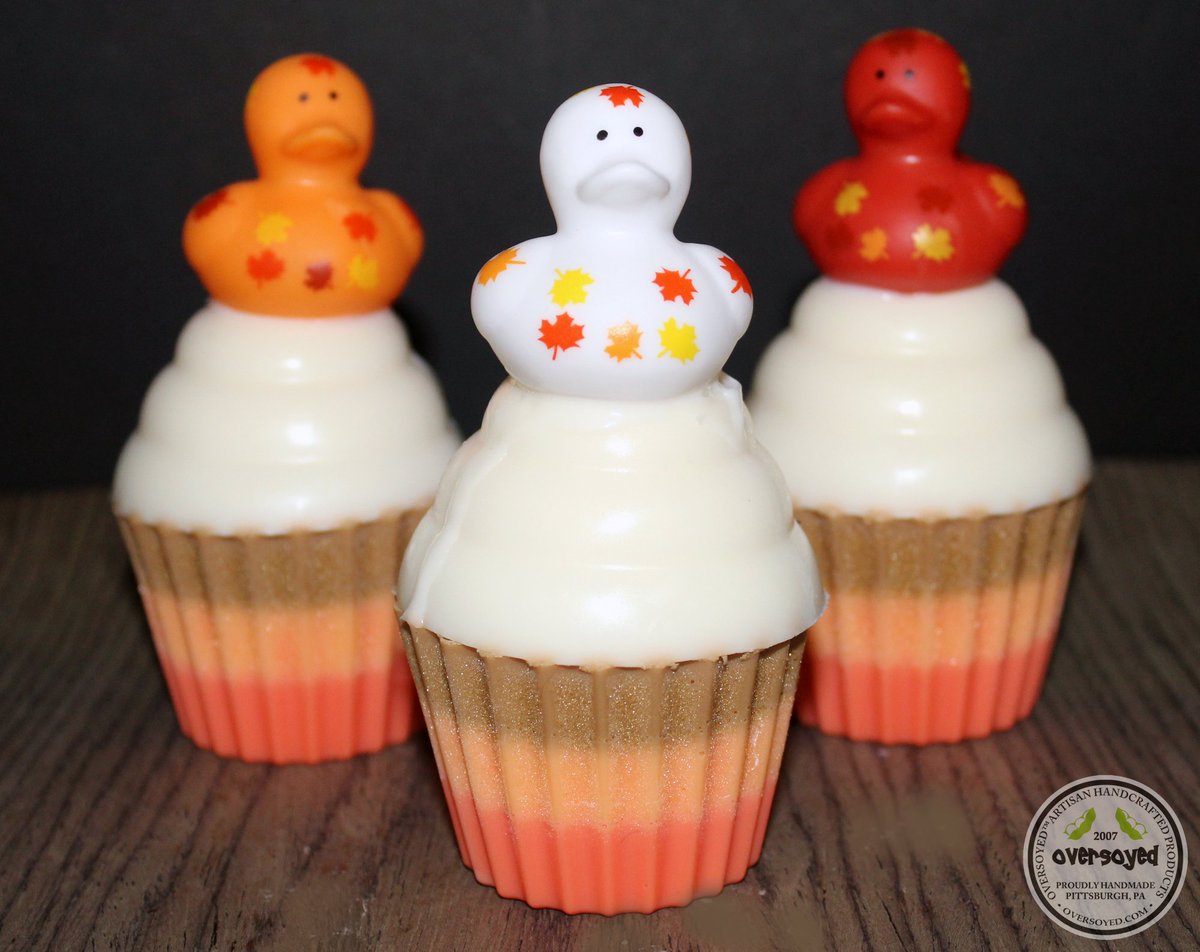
[118, 116]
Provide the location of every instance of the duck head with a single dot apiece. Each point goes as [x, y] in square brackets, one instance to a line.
[907, 92]
[615, 158]
[309, 118]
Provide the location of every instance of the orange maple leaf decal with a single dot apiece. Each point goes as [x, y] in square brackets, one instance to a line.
[873, 245]
[210, 203]
[497, 264]
[1008, 192]
[739, 276]
[849, 200]
[624, 341]
[672, 285]
[563, 334]
[932, 243]
[317, 64]
[264, 267]
[360, 226]
[619, 95]
[319, 276]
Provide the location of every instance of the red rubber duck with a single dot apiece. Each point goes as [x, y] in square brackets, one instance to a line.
[909, 213]
[304, 239]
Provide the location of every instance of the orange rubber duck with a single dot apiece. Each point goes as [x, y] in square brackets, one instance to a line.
[909, 213]
[304, 239]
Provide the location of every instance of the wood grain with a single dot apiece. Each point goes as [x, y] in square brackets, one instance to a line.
[116, 833]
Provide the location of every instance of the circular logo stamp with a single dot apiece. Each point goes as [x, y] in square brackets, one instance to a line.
[1105, 857]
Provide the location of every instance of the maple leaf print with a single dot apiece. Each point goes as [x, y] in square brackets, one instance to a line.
[563, 334]
[673, 285]
[619, 95]
[932, 243]
[678, 341]
[364, 272]
[360, 226]
[317, 64]
[319, 276]
[849, 199]
[965, 74]
[272, 229]
[1008, 192]
[266, 266]
[901, 41]
[739, 276]
[569, 287]
[874, 244]
[624, 341]
[934, 198]
[497, 264]
[210, 203]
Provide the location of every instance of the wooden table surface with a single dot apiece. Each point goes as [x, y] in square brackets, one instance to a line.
[117, 833]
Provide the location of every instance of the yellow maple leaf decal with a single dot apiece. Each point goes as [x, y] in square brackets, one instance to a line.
[965, 74]
[624, 341]
[364, 272]
[678, 341]
[1008, 192]
[569, 287]
[874, 244]
[932, 243]
[496, 265]
[849, 199]
[272, 229]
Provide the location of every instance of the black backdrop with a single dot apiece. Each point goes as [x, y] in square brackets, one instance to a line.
[117, 116]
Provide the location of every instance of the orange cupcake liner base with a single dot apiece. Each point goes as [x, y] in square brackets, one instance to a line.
[295, 721]
[581, 868]
[910, 704]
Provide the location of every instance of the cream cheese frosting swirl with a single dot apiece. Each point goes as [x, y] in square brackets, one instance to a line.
[268, 424]
[917, 405]
[579, 531]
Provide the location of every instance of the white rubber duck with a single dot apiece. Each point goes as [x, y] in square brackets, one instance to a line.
[613, 305]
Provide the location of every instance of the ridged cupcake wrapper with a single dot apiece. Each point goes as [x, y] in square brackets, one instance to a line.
[280, 648]
[611, 790]
[936, 631]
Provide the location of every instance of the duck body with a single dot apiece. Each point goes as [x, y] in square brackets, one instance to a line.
[302, 249]
[909, 213]
[304, 239]
[638, 317]
[613, 305]
[927, 223]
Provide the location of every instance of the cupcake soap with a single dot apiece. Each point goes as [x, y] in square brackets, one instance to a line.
[284, 456]
[605, 608]
[923, 431]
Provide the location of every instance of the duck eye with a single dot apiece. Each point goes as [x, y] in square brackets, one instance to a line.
[879, 74]
[304, 97]
[637, 130]
[602, 134]
[333, 94]
[909, 74]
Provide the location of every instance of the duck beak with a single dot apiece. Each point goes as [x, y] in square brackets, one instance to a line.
[895, 116]
[320, 143]
[623, 185]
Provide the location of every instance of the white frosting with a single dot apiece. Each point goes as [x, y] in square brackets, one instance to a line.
[268, 424]
[632, 533]
[917, 404]
[639, 314]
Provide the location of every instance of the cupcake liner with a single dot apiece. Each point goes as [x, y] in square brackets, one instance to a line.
[281, 648]
[936, 630]
[610, 790]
